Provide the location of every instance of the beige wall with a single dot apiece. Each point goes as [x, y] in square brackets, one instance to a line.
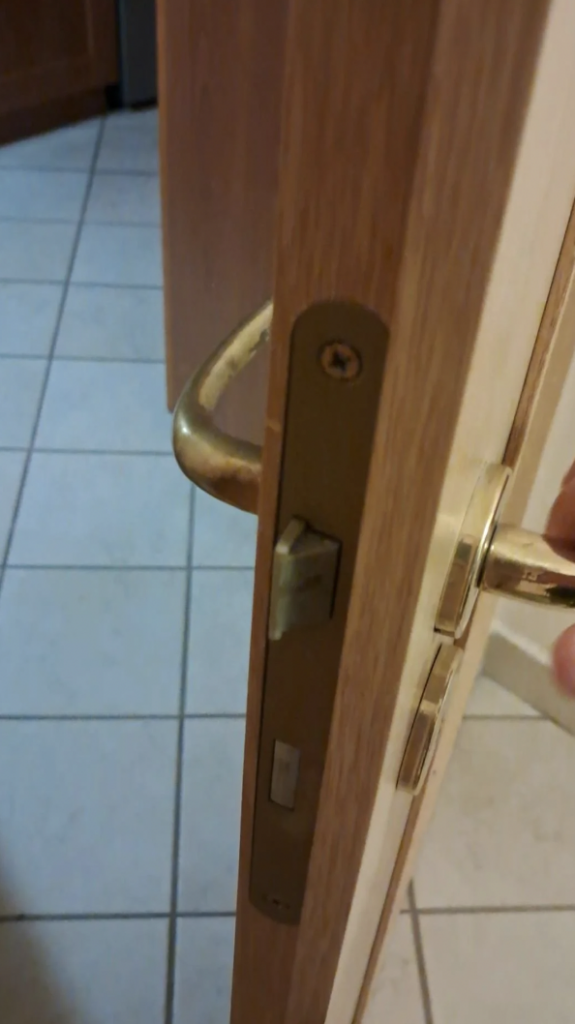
[536, 628]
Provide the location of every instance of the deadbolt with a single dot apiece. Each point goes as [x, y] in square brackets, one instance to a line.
[503, 560]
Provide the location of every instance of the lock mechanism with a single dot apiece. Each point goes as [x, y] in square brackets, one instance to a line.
[303, 581]
[336, 364]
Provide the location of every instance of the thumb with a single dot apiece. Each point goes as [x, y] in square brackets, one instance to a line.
[564, 661]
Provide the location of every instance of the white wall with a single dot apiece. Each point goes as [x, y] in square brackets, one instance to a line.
[535, 628]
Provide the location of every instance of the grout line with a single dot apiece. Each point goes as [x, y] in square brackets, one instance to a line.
[82, 284]
[209, 715]
[63, 296]
[123, 452]
[100, 171]
[119, 916]
[92, 451]
[178, 785]
[49, 567]
[89, 223]
[114, 359]
[504, 718]
[201, 914]
[549, 908]
[224, 568]
[186, 914]
[151, 915]
[4, 219]
[420, 957]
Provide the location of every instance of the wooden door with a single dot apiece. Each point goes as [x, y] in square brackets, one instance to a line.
[56, 58]
[220, 72]
[427, 173]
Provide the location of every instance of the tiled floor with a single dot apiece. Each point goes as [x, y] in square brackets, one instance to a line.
[121, 713]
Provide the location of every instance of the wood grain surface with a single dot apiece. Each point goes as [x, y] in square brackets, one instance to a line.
[220, 74]
[482, 71]
[552, 353]
[371, 131]
[356, 80]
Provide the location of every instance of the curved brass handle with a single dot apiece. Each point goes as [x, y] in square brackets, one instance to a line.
[503, 560]
[224, 466]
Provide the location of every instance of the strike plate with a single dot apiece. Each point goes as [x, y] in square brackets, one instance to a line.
[337, 356]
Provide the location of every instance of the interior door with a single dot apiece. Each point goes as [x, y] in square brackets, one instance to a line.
[426, 180]
[220, 69]
[56, 59]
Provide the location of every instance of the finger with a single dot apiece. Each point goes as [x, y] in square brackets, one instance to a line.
[569, 476]
[561, 522]
[564, 661]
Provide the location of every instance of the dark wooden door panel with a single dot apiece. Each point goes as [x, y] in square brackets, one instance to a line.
[52, 49]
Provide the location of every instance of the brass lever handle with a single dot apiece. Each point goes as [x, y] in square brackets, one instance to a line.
[224, 466]
[529, 567]
[503, 560]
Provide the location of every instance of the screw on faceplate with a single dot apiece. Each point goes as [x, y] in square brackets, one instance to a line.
[340, 360]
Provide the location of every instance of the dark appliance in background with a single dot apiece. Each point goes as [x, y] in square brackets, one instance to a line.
[137, 50]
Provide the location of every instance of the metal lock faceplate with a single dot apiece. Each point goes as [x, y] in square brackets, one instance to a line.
[337, 355]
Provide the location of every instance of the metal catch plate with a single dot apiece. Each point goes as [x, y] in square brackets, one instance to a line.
[428, 721]
[337, 357]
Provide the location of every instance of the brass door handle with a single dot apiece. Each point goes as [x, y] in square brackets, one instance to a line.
[503, 560]
[224, 466]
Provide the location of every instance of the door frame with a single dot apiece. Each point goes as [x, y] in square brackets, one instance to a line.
[552, 354]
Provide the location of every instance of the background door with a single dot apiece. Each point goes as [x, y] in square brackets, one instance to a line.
[409, 139]
[56, 58]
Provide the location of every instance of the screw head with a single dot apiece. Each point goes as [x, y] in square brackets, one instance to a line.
[340, 360]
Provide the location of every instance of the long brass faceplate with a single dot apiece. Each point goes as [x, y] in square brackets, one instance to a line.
[337, 356]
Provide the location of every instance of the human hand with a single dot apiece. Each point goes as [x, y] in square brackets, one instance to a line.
[561, 525]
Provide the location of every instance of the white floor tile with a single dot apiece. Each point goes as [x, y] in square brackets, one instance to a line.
[106, 407]
[130, 142]
[219, 647]
[35, 252]
[70, 148]
[501, 968]
[20, 386]
[86, 820]
[83, 972]
[490, 700]
[11, 467]
[395, 994]
[223, 536]
[204, 970]
[28, 314]
[94, 642]
[504, 829]
[42, 195]
[112, 323]
[103, 510]
[124, 199]
[119, 254]
[210, 827]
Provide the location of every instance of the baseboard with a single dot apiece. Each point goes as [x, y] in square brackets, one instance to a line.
[513, 663]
